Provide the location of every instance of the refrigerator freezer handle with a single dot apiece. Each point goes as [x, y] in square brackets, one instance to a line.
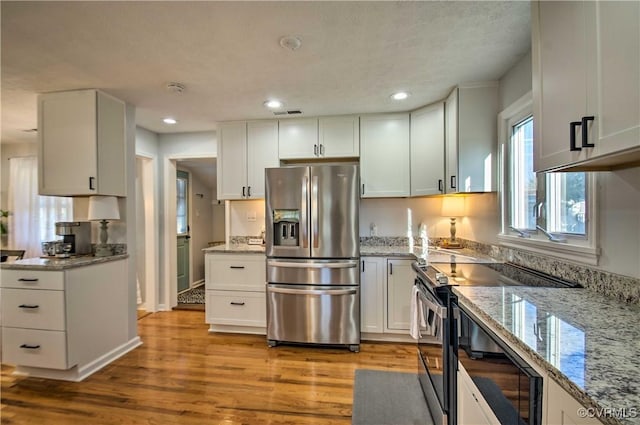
[314, 210]
[303, 232]
[294, 291]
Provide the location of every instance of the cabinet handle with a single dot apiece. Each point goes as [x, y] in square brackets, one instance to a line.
[91, 181]
[248, 191]
[25, 279]
[236, 267]
[315, 150]
[585, 132]
[243, 192]
[453, 182]
[390, 268]
[29, 306]
[363, 267]
[572, 136]
[440, 188]
[321, 149]
[30, 347]
[363, 188]
[236, 303]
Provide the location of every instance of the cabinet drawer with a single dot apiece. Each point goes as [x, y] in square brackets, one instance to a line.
[29, 308]
[48, 348]
[32, 279]
[236, 272]
[236, 308]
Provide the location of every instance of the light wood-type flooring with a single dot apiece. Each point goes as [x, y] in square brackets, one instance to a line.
[183, 375]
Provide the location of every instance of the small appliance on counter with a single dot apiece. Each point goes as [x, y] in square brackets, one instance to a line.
[76, 233]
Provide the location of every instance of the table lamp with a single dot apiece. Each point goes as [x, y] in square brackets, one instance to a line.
[453, 207]
[103, 208]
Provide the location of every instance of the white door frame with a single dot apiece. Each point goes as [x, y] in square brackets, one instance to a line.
[170, 233]
[151, 255]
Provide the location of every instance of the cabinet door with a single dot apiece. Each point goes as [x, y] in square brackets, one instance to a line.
[563, 409]
[67, 136]
[262, 152]
[372, 295]
[298, 138]
[560, 57]
[339, 137]
[235, 272]
[472, 408]
[427, 150]
[384, 156]
[617, 43]
[451, 142]
[232, 160]
[111, 146]
[400, 279]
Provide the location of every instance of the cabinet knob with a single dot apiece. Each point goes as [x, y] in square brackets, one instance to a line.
[315, 150]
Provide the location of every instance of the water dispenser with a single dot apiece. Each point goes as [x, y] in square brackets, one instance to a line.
[286, 226]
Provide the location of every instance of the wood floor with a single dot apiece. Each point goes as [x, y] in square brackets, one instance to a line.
[183, 375]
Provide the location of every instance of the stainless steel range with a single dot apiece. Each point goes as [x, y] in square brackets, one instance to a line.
[464, 341]
[313, 252]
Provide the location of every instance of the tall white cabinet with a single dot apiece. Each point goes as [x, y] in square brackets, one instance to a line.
[384, 155]
[586, 90]
[81, 142]
[245, 149]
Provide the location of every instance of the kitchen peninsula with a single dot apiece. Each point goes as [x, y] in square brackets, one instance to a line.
[65, 318]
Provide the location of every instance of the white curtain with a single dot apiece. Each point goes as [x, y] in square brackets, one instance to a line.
[32, 217]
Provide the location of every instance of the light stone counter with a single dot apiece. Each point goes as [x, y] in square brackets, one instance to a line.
[593, 351]
[241, 248]
[38, 263]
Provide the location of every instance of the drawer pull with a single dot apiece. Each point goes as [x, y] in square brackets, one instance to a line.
[236, 303]
[236, 267]
[29, 306]
[30, 347]
[24, 279]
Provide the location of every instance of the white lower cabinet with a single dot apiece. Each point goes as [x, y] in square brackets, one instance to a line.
[472, 407]
[385, 299]
[235, 292]
[65, 324]
[563, 409]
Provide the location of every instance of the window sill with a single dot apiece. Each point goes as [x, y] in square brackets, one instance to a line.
[583, 254]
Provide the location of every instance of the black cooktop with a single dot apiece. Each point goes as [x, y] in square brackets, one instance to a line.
[492, 274]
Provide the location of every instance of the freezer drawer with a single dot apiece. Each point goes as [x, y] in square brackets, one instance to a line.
[313, 272]
[313, 314]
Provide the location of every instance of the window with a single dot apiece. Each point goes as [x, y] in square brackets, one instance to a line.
[182, 207]
[549, 209]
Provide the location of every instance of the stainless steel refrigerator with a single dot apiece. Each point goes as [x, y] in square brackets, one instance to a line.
[313, 255]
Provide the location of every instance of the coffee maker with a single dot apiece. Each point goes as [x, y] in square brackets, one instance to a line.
[77, 233]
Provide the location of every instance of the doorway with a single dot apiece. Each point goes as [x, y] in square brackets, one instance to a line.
[146, 233]
[183, 228]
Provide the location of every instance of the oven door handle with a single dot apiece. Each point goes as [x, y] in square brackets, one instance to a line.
[290, 291]
[439, 310]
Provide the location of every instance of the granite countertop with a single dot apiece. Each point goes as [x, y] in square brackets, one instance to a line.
[38, 263]
[240, 248]
[590, 346]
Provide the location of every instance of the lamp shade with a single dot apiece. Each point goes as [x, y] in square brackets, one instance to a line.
[103, 208]
[453, 206]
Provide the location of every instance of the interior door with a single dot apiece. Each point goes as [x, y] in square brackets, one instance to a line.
[182, 218]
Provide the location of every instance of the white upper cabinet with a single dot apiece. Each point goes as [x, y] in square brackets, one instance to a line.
[384, 155]
[427, 150]
[298, 138]
[245, 149]
[471, 138]
[586, 90]
[81, 137]
[339, 137]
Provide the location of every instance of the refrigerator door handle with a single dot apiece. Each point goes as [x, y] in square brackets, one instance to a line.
[304, 265]
[314, 210]
[293, 291]
[304, 235]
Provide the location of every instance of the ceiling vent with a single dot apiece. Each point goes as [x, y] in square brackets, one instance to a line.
[294, 112]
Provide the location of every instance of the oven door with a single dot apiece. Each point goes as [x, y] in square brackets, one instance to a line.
[433, 353]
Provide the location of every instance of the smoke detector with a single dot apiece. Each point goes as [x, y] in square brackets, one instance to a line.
[290, 42]
[175, 88]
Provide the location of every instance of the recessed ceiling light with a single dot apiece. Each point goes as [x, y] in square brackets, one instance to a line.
[290, 42]
[174, 87]
[273, 104]
[401, 95]
[169, 120]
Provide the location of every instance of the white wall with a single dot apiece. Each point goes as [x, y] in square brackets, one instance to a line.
[515, 83]
[239, 214]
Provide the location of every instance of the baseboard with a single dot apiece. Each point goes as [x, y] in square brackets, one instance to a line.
[77, 374]
[388, 337]
[197, 283]
[254, 330]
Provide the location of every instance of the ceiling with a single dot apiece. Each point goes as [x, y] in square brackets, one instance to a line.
[353, 56]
